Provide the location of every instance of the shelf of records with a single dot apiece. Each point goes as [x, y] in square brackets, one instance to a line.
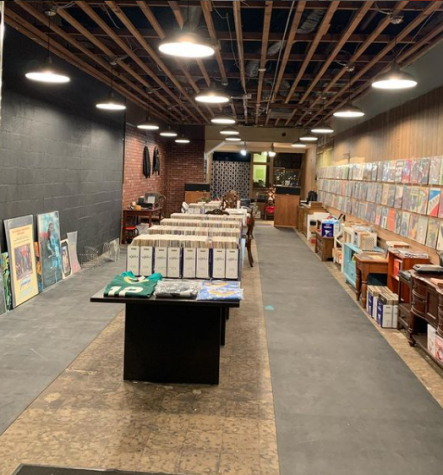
[29, 266]
[181, 254]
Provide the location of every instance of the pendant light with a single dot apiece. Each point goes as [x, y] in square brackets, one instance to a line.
[47, 73]
[111, 103]
[244, 151]
[349, 111]
[298, 145]
[394, 79]
[187, 44]
[148, 124]
[223, 120]
[168, 132]
[323, 128]
[212, 96]
[182, 139]
[230, 131]
[233, 138]
[272, 153]
[308, 138]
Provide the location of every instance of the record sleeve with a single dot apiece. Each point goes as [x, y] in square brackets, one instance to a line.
[434, 201]
[434, 171]
[432, 236]
[422, 229]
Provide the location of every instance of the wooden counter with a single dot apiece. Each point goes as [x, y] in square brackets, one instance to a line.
[285, 214]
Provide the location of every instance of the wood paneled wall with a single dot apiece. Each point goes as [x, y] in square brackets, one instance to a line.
[412, 130]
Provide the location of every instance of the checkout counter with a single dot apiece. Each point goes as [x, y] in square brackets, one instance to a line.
[287, 199]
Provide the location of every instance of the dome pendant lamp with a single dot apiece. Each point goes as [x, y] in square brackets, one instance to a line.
[223, 120]
[394, 80]
[148, 124]
[187, 44]
[111, 103]
[47, 73]
[212, 96]
[168, 132]
[272, 153]
[229, 131]
[349, 111]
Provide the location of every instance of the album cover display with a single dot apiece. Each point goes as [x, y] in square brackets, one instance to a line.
[48, 228]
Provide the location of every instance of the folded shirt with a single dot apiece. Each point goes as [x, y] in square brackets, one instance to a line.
[127, 285]
[220, 290]
[179, 289]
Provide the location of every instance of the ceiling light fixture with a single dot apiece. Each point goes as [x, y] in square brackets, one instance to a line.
[148, 124]
[298, 145]
[223, 120]
[349, 111]
[213, 96]
[230, 131]
[47, 73]
[308, 138]
[187, 45]
[244, 151]
[233, 139]
[394, 79]
[272, 153]
[182, 139]
[322, 129]
[111, 103]
[168, 132]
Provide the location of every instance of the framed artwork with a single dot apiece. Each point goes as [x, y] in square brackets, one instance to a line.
[66, 260]
[48, 226]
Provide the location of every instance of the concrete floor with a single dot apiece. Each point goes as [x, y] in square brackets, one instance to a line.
[345, 402]
[40, 338]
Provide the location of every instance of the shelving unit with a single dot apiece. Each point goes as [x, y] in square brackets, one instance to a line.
[337, 252]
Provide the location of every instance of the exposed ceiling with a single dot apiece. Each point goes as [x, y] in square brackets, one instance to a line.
[285, 63]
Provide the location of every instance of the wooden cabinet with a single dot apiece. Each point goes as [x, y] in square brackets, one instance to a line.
[396, 263]
[196, 196]
[324, 246]
[286, 207]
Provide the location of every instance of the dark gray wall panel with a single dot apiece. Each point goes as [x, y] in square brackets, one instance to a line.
[57, 152]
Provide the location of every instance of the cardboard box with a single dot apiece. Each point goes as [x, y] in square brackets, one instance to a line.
[432, 333]
[174, 260]
[146, 254]
[372, 299]
[387, 310]
[189, 263]
[202, 269]
[219, 263]
[161, 260]
[329, 227]
[133, 260]
[232, 264]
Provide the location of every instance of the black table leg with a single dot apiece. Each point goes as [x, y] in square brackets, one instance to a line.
[223, 327]
[173, 344]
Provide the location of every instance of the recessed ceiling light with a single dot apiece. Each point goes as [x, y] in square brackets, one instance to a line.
[187, 45]
[223, 120]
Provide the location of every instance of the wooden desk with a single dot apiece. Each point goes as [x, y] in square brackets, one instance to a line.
[143, 213]
[172, 340]
[366, 264]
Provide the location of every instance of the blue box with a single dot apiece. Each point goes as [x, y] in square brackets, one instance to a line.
[328, 228]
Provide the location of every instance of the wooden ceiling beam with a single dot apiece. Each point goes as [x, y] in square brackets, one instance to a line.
[353, 25]
[175, 7]
[161, 33]
[264, 51]
[322, 29]
[408, 29]
[104, 64]
[382, 25]
[240, 49]
[127, 50]
[288, 48]
[143, 43]
[20, 24]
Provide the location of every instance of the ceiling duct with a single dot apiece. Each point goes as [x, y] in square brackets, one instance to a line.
[310, 23]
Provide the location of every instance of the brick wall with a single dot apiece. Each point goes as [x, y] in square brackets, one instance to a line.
[179, 164]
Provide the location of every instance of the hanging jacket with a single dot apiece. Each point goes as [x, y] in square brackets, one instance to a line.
[146, 163]
[156, 162]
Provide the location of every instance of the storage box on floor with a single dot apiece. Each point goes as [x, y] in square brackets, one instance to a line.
[435, 344]
[382, 306]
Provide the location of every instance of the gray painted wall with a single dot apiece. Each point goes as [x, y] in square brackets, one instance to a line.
[57, 152]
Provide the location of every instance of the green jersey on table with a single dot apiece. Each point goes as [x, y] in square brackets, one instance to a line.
[127, 286]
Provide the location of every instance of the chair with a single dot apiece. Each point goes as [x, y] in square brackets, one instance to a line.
[160, 204]
[230, 199]
[249, 238]
[131, 230]
[269, 211]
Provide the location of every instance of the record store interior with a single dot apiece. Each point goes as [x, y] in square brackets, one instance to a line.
[221, 237]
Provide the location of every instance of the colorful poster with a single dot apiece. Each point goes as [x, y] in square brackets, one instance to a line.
[434, 171]
[38, 266]
[432, 236]
[434, 201]
[20, 239]
[66, 261]
[422, 229]
[6, 277]
[72, 241]
[405, 178]
[48, 226]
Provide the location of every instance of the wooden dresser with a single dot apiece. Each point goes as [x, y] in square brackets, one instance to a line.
[324, 246]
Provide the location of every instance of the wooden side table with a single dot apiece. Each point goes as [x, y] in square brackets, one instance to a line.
[366, 264]
[324, 246]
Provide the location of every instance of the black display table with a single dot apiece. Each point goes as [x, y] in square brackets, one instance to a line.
[172, 340]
